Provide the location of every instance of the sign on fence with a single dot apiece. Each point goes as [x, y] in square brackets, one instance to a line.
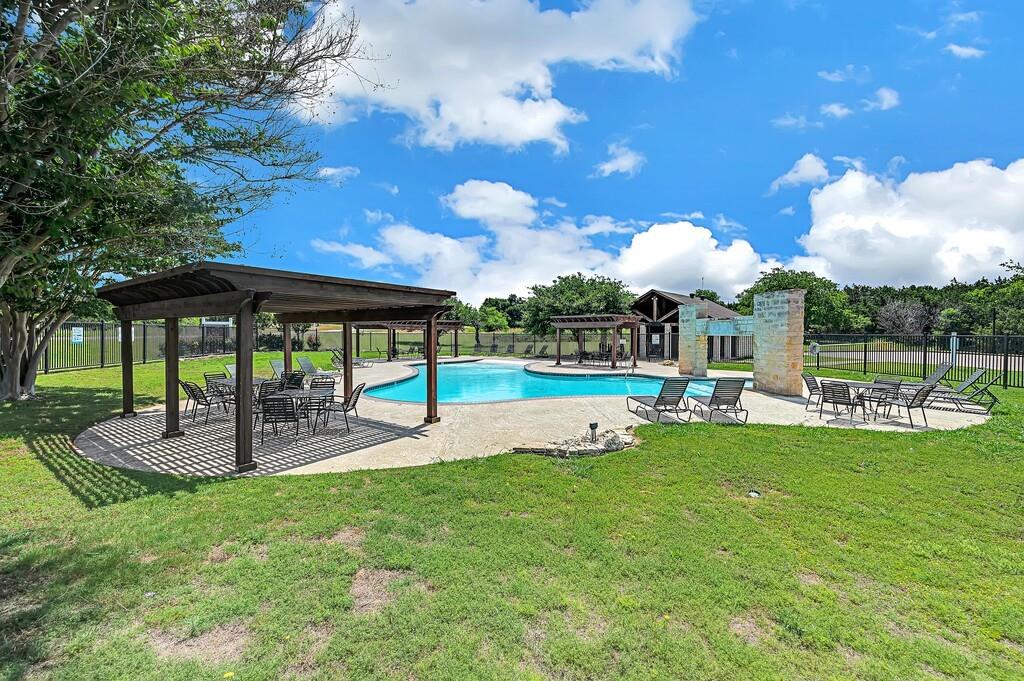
[77, 335]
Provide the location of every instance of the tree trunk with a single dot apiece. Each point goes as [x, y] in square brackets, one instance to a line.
[22, 348]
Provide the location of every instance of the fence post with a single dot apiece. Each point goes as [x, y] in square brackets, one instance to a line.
[924, 358]
[1006, 361]
[865, 364]
[103, 344]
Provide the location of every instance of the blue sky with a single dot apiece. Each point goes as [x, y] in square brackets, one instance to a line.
[665, 143]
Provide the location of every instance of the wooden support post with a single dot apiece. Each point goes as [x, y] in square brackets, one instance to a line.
[430, 350]
[346, 343]
[558, 347]
[243, 390]
[286, 331]
[615, 347]
[455, 344]
[172, 427]
[634, 343]
[127, 372]
[580, 345]
[390, 341]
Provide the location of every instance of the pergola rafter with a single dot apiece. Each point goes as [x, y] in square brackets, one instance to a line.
[209, 288]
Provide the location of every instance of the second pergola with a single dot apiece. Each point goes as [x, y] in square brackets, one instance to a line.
[597, 322]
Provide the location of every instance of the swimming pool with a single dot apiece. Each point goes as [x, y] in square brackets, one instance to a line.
[491, 381]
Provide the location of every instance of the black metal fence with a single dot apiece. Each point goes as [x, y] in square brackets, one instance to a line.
[917, 356]
[83, 345]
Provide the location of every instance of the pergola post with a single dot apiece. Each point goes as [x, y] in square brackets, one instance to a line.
[243, 389]
[634, 343]
[287, 333]
[390, 341]
[346, 343]
[430, 350]
[615, 347]
[172, 427]
[127, 371]
[455, 344]
[580, 345]
[359, 352]
[558, 347]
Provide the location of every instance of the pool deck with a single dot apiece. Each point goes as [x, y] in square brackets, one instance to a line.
[392, 434]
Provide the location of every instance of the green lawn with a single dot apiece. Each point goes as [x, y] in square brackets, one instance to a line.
[870, 555]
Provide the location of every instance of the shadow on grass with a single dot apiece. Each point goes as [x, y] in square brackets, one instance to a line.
[47, 427]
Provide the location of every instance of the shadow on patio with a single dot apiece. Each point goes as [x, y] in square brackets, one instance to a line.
[208, 449]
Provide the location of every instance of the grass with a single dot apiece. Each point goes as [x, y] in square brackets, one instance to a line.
[869, 555]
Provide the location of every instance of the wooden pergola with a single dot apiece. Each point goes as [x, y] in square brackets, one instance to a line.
[440, 326]
[210, 288]
[614, 322]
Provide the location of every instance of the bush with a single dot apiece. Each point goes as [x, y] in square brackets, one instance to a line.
[269, 341]
[313, 342]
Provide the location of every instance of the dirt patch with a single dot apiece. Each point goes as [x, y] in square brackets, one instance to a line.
[371, 590]
[218, 554]
[260, 552]
[1012, 645]
[928, 670]
[850, 656]
[225, 643]
[588, 627]
[314, 641]
[748, 629]
[349, 537]
[809, 578]
[147, 558]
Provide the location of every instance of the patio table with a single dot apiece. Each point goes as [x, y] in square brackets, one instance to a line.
[865, 389]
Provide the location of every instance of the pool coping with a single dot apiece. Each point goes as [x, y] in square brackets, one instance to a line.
[526, 367]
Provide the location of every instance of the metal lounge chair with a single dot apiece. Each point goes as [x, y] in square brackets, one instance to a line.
[543, 352]
[307, 366]
[333, 406]
[813, 390]
[842, 398]
[969, 396]
[671, 399]
[725, 399]
[230, 369]
[934, 378]
[277, 366]
[917, 400]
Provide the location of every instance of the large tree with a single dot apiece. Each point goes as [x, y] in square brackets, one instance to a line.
[101, 99]
[826, 308]
[571, 295]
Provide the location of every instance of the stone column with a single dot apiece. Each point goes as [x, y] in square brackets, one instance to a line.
[779, 342]
[693, 349]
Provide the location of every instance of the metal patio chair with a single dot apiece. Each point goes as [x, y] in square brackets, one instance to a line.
[279, 410]
[813, 389]
[334, 406]
[198, 397]
[671, 399]
[917, 400]
[725, 399]
[842, 398]
[293, 380]
[263, 391]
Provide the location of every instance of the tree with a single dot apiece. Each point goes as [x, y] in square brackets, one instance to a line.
[512, 307]
[826, 308]
[491, 319]
[905, 317]
[573, 295]
[103, 103]
[465, 313]
[708, 294]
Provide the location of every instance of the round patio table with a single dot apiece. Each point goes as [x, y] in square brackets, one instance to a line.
[871, 393]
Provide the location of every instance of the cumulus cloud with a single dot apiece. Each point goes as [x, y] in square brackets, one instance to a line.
[367, 256]
[338, 175]
[960, 222]
[836, 110]
[693, 215]
[493, 203]
[788, 211]
[796, 122]
[482, 72]
[859, 74]
[963, 51]
[885, 98]
[857, 163]
[621, 159]
[809, 169]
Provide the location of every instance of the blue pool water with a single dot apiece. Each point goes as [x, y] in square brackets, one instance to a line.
[488, 381]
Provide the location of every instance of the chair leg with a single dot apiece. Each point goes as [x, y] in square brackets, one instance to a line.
[347, 428]
[925, 417]
[263, 427]
[207, 421]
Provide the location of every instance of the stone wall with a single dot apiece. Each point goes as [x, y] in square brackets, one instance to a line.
[779, 342]
[693, 348]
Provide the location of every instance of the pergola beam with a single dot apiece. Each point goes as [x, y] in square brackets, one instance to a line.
[379, 314]
[196, 306]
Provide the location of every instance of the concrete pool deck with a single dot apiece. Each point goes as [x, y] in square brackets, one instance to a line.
[392, 434]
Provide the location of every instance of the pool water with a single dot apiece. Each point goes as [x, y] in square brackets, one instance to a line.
[490, 381]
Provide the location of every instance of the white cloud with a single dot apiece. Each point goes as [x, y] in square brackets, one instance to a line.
[389, 188]
[920, 32]
[338, 175]
[621, 159]
[493, 203]
[809, 169]
[727, 225]
[957, 18]
[796, 122]
[367, 256]
[482, 72]
[376, 216]
[788, 211]
[857, 163]
[693, 215]
[963, 52]
[836, 110]
[553, 201]
[960, 222]
[885, 98]
[859, 74]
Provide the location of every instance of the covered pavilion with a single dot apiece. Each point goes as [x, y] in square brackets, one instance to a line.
[614, 322]
[210, 288]
[392, 327]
